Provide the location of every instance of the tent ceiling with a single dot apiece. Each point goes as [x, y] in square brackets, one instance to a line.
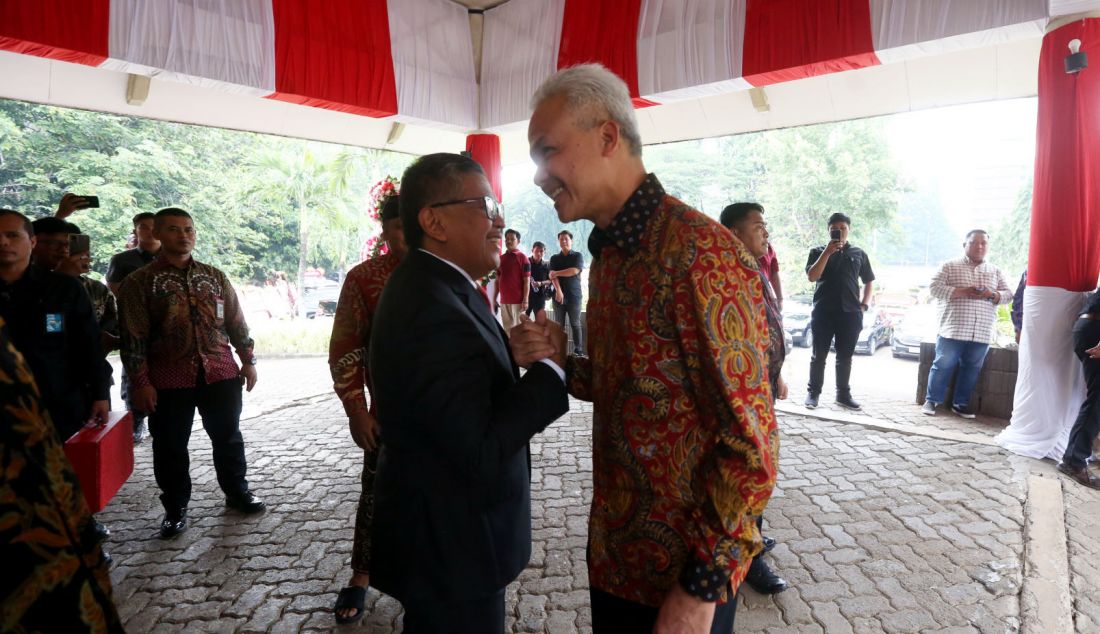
[1003, 68]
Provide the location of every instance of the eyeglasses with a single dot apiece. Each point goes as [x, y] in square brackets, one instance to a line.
[489, 206]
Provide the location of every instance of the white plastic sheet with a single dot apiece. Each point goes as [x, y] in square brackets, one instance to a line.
[1049, 384]
[226, 44]
[519, 49]
[433, 62]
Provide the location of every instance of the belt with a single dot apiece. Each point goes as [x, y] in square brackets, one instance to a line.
[1089, 316]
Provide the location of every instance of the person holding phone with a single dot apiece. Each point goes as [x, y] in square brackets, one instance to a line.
[836, 268]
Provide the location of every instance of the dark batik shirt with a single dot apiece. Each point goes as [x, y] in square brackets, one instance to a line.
[177, 321]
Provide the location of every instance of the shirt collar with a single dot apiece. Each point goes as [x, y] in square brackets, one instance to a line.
[628, 226]
[455, 267]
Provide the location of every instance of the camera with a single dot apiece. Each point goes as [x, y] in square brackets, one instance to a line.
[834, 234]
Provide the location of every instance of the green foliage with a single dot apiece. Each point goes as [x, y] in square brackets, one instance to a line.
[261, 203]
[1010, 242]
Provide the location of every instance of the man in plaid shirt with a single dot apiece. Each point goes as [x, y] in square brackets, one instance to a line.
[969, 290]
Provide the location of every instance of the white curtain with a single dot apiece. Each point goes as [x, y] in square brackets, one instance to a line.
[227, 44]
[906, 29]
[1049, 384]
[433, 63]
[690, 48]
[519, 49]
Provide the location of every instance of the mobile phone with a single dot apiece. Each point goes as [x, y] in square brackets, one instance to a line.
[79, 243]
[834, 234]
[93, 201]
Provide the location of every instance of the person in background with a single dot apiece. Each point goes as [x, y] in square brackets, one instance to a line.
[146, 246]
[1086, 345]
[348, 355]
[836, 268]
[684, 443]
[79, 265]
[769, 264]
[970, 288]
[1018, 306]
[513, 285]
[55, 573]
[565, 274]
[178, 320]
[541, 286]
[746, 222]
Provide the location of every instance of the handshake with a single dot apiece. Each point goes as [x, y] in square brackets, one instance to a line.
[536, 339]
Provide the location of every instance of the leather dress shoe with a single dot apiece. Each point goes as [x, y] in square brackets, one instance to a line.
[769, 544]
[246, 502]
[763, 579]
[174, 523]
[847, 402]
[1082, 475]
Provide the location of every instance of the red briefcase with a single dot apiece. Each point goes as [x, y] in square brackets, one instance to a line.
[103, 458]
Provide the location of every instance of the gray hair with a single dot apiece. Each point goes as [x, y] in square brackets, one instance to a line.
[593, 92]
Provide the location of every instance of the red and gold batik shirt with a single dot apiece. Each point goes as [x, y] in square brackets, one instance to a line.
[347, 349]
[175, 321]
[685, 447]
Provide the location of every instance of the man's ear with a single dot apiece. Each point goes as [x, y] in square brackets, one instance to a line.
[433, 224]
[610, 137]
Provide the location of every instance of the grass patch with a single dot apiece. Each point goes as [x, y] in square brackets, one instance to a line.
[277, 337]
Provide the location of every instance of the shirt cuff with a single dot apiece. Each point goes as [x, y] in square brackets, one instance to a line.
[704, 581]
[557, 368]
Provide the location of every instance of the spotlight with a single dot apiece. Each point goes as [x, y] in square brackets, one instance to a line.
[1076, 61]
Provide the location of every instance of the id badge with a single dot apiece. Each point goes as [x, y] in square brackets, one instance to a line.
[220, 310]
[55, 322]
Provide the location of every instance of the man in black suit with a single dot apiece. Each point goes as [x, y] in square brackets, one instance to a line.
[452, 524]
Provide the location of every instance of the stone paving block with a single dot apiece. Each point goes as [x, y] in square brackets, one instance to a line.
[907, 621]
[265, 615]
[830, 618]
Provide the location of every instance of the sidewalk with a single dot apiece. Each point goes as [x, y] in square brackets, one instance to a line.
[878, 532]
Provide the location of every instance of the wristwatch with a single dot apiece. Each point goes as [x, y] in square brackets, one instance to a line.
[864, 306]
[251, 361]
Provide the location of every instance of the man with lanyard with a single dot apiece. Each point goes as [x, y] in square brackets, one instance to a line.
[838, 309]
[179, 317]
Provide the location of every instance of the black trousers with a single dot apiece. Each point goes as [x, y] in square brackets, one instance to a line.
[572, 309]
[219, 405]
[1086, 334]
[844, 327]
[480, 616]
[610, 614]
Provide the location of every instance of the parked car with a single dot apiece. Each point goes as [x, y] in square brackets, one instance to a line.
[877, 331]
[325, 290]
[919, 324]
[796, 321]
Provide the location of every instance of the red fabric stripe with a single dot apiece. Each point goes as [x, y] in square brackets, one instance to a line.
[604, 32]
[1065, 208]
[335, 54]
[67, 30]
[795, 39]
[485, 149]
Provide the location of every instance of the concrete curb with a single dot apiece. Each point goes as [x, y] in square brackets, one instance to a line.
[884, 425]
[1045, 603]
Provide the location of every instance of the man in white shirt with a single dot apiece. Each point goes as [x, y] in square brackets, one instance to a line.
[970, 288]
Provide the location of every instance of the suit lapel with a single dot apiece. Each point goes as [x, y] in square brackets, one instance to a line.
[474, 303]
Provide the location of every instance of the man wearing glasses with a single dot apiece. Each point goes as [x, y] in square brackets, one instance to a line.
[452, 519]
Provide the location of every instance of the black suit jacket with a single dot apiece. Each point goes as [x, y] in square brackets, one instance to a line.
[452, 510]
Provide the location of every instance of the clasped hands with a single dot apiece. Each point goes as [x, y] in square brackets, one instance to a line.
[536, 339]
[972, 292]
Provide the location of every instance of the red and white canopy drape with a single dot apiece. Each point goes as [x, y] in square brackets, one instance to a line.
[414, 59]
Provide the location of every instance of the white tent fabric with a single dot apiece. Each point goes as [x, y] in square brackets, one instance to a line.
[899, 23]
[223, 44]
[519, 49]
[685, 47]
[1051, 387]
[433, 63]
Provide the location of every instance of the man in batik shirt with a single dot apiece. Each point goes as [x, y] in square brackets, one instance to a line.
[55, 575]
[347, 359]
[684, 438]
[178, 320]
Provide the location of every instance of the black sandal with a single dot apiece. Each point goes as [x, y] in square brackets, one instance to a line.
[351, 597]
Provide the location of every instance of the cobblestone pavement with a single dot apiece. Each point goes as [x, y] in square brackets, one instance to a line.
[878, 532]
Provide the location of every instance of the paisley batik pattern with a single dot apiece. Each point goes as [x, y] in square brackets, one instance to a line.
[685, 446]
[55, 578]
